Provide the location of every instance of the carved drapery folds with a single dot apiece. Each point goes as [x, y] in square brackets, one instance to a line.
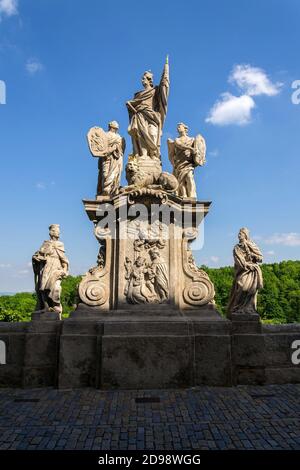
[147, 273]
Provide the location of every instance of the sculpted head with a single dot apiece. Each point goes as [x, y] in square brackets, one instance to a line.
[154, 254]
[54, 231]
[113, 126]
[244, 234]
[140, 262]
[147, 79]
[182, 128]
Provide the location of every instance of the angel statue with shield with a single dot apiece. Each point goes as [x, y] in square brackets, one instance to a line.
[109, 147]
[185, 153]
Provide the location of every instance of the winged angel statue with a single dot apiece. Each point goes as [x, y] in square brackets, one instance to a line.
[185, 153]
[109, 147]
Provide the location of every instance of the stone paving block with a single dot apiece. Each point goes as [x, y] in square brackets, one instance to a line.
[247, 417]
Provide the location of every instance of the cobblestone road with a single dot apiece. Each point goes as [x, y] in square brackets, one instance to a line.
[199, 418]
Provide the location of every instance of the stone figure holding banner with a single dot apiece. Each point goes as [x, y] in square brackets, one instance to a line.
[147, 111]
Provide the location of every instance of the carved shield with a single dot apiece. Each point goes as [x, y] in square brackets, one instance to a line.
[201, 150]
[98, 142]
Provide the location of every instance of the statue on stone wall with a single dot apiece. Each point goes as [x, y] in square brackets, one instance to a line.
[185, 153]
[147, 112]
[109, 147]
[248, 275]
[50, 266]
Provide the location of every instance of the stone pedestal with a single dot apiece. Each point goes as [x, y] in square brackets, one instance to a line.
[41, 350]
[145, 258]
[119, 349]
[42, 315]
[125, 350]
[248, 349]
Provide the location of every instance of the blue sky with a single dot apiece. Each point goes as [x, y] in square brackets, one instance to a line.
[69, 65]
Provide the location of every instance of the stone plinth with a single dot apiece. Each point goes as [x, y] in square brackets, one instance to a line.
[248, 347]
[125, 350]
[145, 258]
[121, 350]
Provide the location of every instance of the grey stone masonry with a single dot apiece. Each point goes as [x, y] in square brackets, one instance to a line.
[161, 351]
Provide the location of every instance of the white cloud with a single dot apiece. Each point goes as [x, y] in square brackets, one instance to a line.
[33, 66]
[214, 259]
[270, 253]
[40, 185]
[231, 109]
[4, 266]
[214, 153]
[286, 239]
[8, 8]
[253, 81]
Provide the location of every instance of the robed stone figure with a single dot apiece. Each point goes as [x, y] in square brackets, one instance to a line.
[147, 112]
[185, 154]
[50, 266]
[248, 275]
[109, 148]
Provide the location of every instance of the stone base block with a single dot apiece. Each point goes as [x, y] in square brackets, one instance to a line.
[121, 349]
[46, 316]
[79, 354]
[245, 323]
[212, 360]
[144, 362]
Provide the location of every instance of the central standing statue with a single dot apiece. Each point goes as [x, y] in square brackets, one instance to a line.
[147, 112]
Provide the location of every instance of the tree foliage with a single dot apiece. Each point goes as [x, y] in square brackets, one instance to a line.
[278, 301]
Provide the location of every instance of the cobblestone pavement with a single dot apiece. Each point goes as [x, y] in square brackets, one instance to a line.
[245, 417]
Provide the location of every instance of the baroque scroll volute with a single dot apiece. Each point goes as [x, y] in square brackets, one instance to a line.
[198, 290]
[94, 288]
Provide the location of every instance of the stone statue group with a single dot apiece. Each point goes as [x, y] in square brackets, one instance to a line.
[51, 265]
[147, 112]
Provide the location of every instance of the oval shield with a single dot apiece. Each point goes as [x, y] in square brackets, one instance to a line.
[98, 142]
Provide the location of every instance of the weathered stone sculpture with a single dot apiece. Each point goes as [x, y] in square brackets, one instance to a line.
[248, 275]
[136, 264]
[147, 277]
[50, 266]
[147, 112]
[109, 148]
[185, 153]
